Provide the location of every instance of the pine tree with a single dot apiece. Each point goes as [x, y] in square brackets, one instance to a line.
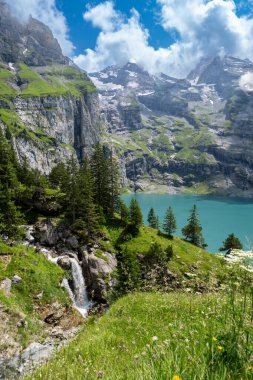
[169, 224]
[193, 230]
[86, 211]
[128, 270]
[153, 219]
[124, 213]
[231, 242]
[135, 214]
[71, 190]
[169, 252]
[100, 171]
[113, 185]
[58, 177]
[10, 216]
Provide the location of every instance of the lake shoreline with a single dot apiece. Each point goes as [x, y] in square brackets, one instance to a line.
[219, 215]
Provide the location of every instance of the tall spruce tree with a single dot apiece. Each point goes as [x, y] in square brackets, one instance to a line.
[153, 221]
[87, 212]
[72, 190]
[169, 224]
[10, 216]
[124, 213]
[100, 171]
[135, 214]
[113, 185]
[193, 230]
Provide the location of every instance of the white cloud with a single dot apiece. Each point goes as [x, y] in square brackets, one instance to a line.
[103, 16]
[246, 82]
[206, 28]
[46, 12]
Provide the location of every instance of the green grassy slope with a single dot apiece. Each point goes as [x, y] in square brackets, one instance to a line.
[39, 277]
[206, 270]
[152, 336]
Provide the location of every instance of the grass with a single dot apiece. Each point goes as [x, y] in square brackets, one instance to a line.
[37, 273]
[154, 336]
[209, 268]
[39, 276]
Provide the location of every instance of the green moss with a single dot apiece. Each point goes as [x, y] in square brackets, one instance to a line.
[100, 254]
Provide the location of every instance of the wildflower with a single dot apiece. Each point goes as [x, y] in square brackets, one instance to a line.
[176, 377]
[154, 338]
[215, 339]
[133, 342]
[220, 348]
[136, 357]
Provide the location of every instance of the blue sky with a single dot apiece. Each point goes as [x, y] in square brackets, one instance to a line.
[84, 35]
[160, 35]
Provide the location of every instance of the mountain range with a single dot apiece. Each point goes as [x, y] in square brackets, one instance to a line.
[171, 135]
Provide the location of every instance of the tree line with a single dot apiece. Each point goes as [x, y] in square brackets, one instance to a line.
[192, 232]
[84, 196]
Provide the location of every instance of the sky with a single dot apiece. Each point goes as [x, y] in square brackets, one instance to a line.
[169, 36]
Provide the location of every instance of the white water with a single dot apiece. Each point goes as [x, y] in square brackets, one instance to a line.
[81, 301]
[79, 294]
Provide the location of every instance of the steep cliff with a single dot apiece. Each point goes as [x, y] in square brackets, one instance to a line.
[191, 134]
[49, 107]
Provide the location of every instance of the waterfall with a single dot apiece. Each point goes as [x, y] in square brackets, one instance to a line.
[81, 301]
[78, 294]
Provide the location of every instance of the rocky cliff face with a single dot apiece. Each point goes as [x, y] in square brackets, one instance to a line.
[49, 106]
[192, 133]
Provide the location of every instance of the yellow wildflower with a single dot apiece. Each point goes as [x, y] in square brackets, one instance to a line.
[215, 339]
[176, 377]
[220, 348]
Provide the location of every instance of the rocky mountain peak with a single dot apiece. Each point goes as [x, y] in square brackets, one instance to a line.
[30, 42]
[223, 72]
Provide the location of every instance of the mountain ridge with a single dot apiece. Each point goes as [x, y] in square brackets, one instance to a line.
[181, 134]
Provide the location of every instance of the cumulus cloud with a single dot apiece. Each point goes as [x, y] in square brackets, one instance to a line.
[47, 12]
[246, 82]
[206, 28]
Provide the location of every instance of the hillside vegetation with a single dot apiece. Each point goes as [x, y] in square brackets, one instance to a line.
[154, 336]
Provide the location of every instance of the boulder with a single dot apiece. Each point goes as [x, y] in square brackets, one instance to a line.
[72, 242]
[64, 262]
[16, 279]
[45, 233]
[98, 274]
[5, 286]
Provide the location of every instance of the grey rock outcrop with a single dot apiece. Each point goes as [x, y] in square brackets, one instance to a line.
[98, 273]
[5, 286]
[191, 131]
[45, 233]
[30, 42]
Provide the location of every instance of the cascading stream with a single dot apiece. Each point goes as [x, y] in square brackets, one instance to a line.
[78, 294]
[81, 301]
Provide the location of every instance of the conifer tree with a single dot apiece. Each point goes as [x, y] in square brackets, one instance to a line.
[86, 211]
[231, 242]
[124, 213]
[193, 230]
[128, 270]
[113, 185]
[72, 190]
[10, 217]
[135, 214]
[169, 224]
[58, 177]
[152, 219]
[100, 169]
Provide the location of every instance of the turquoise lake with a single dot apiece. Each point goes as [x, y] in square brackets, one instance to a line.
[218, 216]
